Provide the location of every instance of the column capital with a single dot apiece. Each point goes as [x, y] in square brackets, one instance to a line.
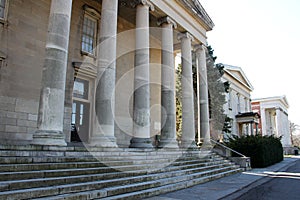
[144, 3]
[166, 20]
[185, 35]
[200, 47]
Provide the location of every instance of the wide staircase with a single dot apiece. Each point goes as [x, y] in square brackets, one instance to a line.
[37, 172]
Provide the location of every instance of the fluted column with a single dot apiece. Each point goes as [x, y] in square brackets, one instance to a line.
[103, 133]
[52, 97]
[168, 112]
[204, 106]
[188, 122]
[141, 107]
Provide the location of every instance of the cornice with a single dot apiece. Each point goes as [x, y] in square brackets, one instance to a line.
[196, 8]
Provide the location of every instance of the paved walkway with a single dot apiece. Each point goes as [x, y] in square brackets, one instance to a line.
[228, 187]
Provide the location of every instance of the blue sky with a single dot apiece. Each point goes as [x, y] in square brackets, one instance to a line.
[262, 37]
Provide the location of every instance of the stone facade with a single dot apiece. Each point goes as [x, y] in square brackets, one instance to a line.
[274, 117]
[238, 106]
[96, 47]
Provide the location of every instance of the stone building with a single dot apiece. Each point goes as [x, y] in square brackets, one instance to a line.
[103, 68]
[274, 118]
[238, 107]
[83, 80]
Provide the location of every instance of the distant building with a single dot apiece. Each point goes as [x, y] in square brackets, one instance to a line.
[274, 117]
[238, 106]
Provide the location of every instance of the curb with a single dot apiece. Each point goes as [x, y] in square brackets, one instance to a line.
[241, 191]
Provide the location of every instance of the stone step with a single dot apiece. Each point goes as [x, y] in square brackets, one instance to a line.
[82, 164]
[28, 172]
[129, 184]
[70, 178]
[141, 194]
[43, 182]
[145, 189]
[19, 175]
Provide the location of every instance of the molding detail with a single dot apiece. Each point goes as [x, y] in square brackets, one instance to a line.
[134, 3]
[86, 69]
[195, 7]
[187, 35]
[166, 20]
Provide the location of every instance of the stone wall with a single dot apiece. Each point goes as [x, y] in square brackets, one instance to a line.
[23, 40]
[18, 119]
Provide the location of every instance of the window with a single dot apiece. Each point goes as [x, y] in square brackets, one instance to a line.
[229, 100]
[89, 31]
[246, 104]
[3, 9]
[238, 103]
[81, 89]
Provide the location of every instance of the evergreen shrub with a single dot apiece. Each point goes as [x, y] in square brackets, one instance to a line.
[262, 150]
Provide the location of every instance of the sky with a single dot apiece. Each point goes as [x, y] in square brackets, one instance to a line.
[263, 38]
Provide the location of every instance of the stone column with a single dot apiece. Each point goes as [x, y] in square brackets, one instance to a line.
[264, 119]
[188, 122]
[52, 97]
[103, 135]
[204, 107]
[168, 112]
[141, 101]
[278, 120]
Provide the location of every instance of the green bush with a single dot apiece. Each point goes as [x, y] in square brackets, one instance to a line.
[262, 150]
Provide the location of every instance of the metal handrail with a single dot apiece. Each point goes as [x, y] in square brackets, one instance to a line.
[227, 148]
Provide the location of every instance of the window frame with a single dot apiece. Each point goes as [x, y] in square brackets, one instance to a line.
[238, 103]
[230, 100]
[93, 15]
[4, 18]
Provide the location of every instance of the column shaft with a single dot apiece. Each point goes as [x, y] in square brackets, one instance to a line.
[168, 112]
[204, 107]
[188, 122]
[52, 97]
[103, 134]
[141, 107]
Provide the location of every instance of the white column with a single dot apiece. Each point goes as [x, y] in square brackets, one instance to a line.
[188, 122]
[264, 119]
[278, 121]
[103, 134]
[52, 97]
[204, 107]
[141, 107]
[168, 112]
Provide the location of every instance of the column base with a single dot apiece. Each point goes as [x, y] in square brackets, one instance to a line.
[103, 141]
[207, 145]
[188, 144]
[140, 143]
[48, 138]
[168, 143]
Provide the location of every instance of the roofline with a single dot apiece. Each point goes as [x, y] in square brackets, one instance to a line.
[280, 98]
[235, 68]
[197, 9]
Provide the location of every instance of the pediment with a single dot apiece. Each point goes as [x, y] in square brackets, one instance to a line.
[238, 74]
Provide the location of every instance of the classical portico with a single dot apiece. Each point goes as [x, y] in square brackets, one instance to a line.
[187, 38]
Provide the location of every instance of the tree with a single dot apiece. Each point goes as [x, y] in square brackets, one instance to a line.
[178, 102]
[221, 122]
[295, 137]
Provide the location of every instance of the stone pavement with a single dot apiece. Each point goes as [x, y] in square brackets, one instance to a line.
[228, 187]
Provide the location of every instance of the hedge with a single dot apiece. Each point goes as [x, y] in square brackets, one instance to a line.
[262, 150]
